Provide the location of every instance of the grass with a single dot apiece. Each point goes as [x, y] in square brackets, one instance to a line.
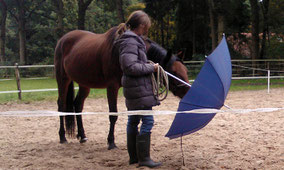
[255, 84]
[27, 84]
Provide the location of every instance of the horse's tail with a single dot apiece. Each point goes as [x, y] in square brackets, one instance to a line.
[70, 119]
[60, 73]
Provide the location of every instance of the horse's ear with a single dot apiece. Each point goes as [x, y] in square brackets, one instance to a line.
[168, 57]
[181, 54]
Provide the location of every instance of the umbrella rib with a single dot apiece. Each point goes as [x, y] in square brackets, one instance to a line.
[220, 80]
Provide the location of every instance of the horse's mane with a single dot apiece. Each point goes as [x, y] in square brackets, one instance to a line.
[156, 53]
[111, 35]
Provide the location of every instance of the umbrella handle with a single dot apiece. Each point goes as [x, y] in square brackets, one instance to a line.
[178, 79]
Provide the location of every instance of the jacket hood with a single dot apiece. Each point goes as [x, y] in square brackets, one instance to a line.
[130, 37]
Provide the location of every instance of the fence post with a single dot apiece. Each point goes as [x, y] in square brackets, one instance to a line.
[268, 81]
[17, 73]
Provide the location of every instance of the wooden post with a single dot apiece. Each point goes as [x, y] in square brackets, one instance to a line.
[17, 73]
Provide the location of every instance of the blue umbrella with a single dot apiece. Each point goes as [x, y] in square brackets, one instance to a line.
[209, 91]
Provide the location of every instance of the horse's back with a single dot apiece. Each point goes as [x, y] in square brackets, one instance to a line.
[86, 57]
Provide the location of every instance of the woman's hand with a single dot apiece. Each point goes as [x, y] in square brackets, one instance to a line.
[156, 66]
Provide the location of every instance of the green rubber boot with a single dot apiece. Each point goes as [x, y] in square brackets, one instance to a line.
[143, 151]
[131, 148]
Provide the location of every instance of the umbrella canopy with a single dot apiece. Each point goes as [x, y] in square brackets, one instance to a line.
[209, 90]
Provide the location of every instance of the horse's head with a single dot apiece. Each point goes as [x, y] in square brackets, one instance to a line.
[171, 63]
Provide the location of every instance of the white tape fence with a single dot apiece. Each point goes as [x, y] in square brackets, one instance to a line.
[48, 113]
[266, 65]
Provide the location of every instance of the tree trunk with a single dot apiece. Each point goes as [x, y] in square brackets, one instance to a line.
[264, 7]
[193, 27]
[221, 23]
[59, 31]
[22, 38]
[168, 32]
[162, 32]
[212, 24]
[3, 30]
[81, 18]
[255, 29]
[83, 6]
[120, 13]
[22, 31]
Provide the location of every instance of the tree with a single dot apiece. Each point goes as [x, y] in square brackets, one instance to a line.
[58, 4]
[264, 8]
[222, 8]
[193, 28]
[212, 24]
[117, 6]
[22, 30]
[120, 13]
[82, 8]
[3, 30]
[159, 11]
[219, 12]
[21, 16]
[254, 29]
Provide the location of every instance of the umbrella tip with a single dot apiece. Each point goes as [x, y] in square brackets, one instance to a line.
[228, 107]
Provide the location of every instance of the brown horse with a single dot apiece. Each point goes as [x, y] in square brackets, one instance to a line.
[92, 61]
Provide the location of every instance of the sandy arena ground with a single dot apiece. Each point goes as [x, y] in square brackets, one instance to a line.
[229, 141]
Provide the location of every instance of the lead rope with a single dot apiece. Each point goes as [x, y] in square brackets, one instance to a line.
[161, 84]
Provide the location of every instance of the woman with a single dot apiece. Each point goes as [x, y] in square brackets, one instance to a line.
[137, 85]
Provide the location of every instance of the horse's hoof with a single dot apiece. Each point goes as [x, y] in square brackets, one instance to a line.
[63, 141]
[111, 146]
[83, 140]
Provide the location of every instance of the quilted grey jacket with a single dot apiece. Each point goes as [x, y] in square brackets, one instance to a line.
[136, 79]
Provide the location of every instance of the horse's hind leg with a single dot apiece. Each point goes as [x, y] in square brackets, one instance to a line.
[112, 92]
[63, 86]
[79, 104]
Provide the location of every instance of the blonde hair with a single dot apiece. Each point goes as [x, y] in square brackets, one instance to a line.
[134, 20]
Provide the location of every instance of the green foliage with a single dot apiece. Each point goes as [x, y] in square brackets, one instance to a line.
[276, 16]
[175, 24]
[275, 48]
[71, 15]
[134, 7]
[98, 19]
[162, 30]
[237, 11]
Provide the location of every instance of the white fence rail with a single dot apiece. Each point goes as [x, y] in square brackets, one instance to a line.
[263, 66]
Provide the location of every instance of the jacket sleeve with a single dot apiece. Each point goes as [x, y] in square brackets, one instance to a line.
[129, 62]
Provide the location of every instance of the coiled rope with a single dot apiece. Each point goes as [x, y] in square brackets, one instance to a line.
[161, 84]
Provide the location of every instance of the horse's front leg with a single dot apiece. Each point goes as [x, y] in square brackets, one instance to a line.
[112, 93]
[79, 104]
